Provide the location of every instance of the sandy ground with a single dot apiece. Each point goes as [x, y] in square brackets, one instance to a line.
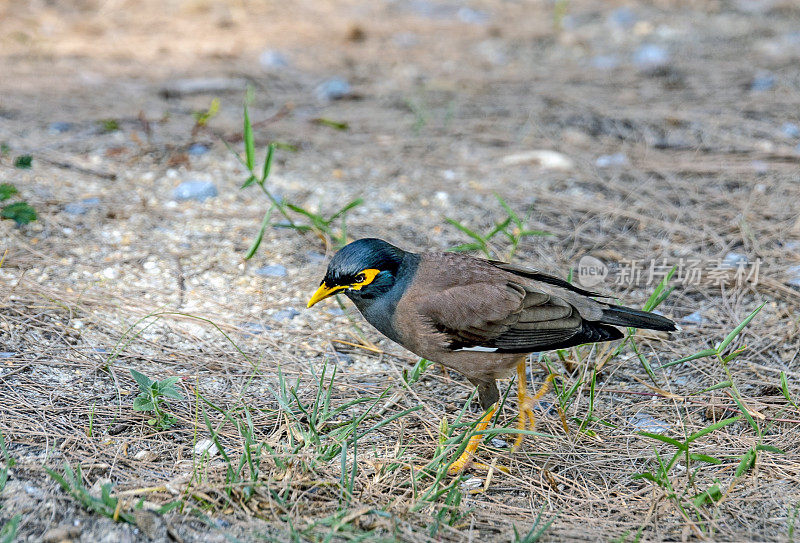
[671, 136]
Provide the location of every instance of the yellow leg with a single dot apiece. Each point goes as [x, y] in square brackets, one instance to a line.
[526, 419]
[466, 457]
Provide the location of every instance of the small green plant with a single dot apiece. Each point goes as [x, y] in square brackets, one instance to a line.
[72, 483]
[20, 212]
[513, 227]
[108, 125]
[691, 500]
[201, 118]
[537, 530]
[9, 463]
[324, 228]
[8, 532]
[336, 125]
[153, 398]
[23, 162]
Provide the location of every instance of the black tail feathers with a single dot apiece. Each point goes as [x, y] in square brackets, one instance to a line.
[634, 318]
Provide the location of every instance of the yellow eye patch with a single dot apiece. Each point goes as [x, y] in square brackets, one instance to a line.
[365, 278]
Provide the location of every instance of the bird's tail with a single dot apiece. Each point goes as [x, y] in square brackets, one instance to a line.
[626, 316]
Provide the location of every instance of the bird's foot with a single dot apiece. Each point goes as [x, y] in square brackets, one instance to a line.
[465, 459]
[527, 419]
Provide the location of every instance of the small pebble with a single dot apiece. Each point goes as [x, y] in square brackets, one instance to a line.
[608, 161]
[472, 16]
[285, 314]
[473, 483]
[272, 270]
[206, 445]
[694, 318]
[7, 354]
[59, 128]
[651, 56]
[733, 260]
[646, 423]
[271, 58]
[794, 276]
[763, 81]
[790, 130]
[342, 358]
[254, 328]
[759, 166]
[333, 89]
[82, 207]
[547, 159]
[605, 62]
[499, 443]
[623, 17]
[405, 39]
[314, 257]
[197, 149]
[195, 190]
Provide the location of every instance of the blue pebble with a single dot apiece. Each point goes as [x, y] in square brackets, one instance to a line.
[273, 59]
[272, 270]
[472, 16]
[254, 328]
[733, 260]
[7, 354]
[763, 82]
[333, 89]
[60, 128]
[82, 207]
[198, 149]
[605, 62]
[646, 423]
[607, 161]
[623, 17]
[285, 314]
[195, 190]
[694, 318]
[651, 56]
[790, 130]
[794, 276]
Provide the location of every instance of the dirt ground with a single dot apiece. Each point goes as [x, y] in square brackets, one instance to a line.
[658, 132]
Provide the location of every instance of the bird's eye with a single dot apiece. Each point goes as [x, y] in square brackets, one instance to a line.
[360, 278]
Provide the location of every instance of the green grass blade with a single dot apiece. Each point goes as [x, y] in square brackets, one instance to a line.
[745, 412]
[249, 141]
[736, 331]
[702, 354]
[656, 298]
[465, 230]
[267, 162]
[785, 390]
[665, 439]
[713, 428]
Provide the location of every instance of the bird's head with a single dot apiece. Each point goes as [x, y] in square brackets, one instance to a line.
[362, 270]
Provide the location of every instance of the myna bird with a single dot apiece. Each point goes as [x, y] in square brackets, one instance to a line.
[478, 317]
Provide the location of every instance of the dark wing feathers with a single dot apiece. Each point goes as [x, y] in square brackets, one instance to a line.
[505, 316]
[509, 308]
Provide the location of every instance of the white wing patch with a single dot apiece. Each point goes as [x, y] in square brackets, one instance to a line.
[478, 349]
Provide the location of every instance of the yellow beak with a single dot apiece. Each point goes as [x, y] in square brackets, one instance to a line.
[323, 292]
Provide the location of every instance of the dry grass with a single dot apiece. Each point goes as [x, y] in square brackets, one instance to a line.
[142, 283]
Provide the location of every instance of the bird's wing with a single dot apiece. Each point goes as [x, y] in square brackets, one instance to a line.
[503, 316]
